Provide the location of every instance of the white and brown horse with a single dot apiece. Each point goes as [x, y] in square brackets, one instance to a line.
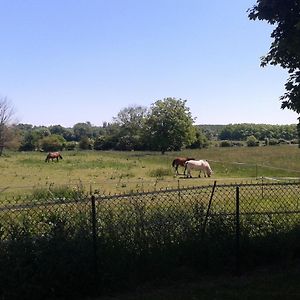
[201, 165]
[180, 161]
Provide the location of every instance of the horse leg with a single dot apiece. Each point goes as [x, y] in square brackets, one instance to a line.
[188, 174]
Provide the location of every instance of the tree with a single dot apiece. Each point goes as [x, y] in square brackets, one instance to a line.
[131, 124]
[53, 142]
[252, 141]
[285, 48]
[82, 130]
[6, 114]
[132, 118]
[201, 140]
[169, 125]
[66, 133]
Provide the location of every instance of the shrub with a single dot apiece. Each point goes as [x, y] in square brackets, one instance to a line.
[252, 141]
[86, 143]
[273, 142]
[225, 143]
[70, 146]
[52, 142]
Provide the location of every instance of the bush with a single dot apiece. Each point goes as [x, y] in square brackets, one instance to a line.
[70, 146]
[273, 142]
[252, 141]
[52, 142]
[225, 143]
[86, 144]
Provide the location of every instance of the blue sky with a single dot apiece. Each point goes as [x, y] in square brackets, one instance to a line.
[65, 61]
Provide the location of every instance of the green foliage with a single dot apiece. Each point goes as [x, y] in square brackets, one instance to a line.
[52, 142]
[169, 125]
[66, 133]
[58, 193]
[70, 146]
[82, 130]
[285, 47]
[225, 143]
[252, 141]
[201, 140]
[85, 143]
[240, 132]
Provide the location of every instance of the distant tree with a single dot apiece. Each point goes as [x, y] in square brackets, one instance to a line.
[85, 143]
[13, 141]
[105, 142]
[240, 132]
[6, 114]
[252, 141]
[29, 141]
[53, 142]
[131, 124]
[285, 48]
[201, 141]
[82, 130]
[132, 119]
[66, 133]
[169, 125]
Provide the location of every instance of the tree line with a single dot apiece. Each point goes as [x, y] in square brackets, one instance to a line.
[167, 125]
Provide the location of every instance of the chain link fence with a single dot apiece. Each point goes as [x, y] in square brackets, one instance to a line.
[97, 242]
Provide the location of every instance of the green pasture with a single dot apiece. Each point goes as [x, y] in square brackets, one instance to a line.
[119, 172]
[151, 234]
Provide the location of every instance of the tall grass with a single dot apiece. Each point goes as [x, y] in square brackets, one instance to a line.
[49, 252]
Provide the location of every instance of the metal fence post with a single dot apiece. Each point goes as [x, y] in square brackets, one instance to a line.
[94, 235]
[237, 232]
[208, 208]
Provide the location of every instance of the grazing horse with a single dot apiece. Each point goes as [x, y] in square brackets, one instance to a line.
[201, 165]
[53, 155]
[180, 161]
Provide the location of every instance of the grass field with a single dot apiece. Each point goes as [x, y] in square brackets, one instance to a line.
[117, 172]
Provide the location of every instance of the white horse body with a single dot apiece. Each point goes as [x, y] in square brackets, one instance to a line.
[201, 165]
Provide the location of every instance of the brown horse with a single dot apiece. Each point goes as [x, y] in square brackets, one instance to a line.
[53, 155]
[180, 161]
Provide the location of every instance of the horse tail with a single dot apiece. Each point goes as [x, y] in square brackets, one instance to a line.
[173, 163]
[47, 158]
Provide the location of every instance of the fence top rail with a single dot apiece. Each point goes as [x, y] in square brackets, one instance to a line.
[29, 205]
[97, 197]
[183, 189]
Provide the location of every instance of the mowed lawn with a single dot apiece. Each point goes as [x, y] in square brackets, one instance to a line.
[117, 172]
